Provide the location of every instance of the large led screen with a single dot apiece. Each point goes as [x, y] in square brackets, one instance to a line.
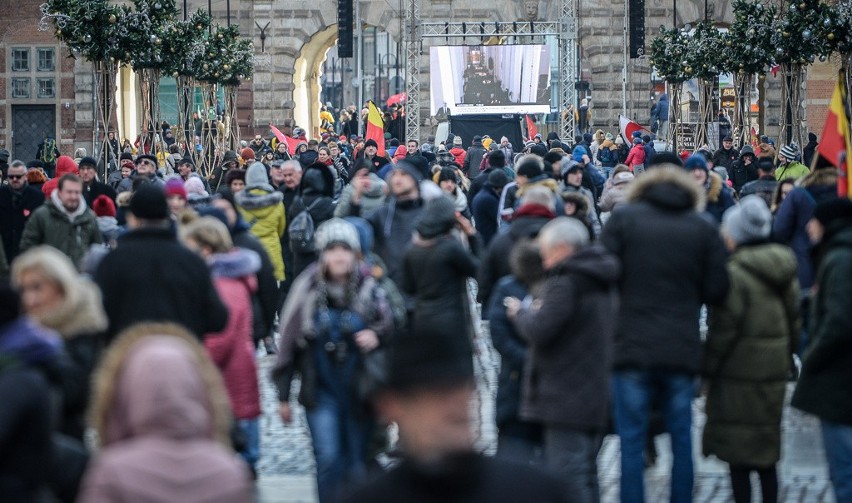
[490, 79]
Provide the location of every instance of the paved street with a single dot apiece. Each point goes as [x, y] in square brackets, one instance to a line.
[286, 466]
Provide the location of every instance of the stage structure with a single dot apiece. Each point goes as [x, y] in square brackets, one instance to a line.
[505, 33]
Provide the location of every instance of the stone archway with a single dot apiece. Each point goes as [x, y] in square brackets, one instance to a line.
[306, 79]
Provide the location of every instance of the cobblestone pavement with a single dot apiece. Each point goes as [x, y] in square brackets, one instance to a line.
[286, 467]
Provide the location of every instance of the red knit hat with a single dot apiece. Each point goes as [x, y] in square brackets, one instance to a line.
[103, 206]
[174, 187]
[247, 154]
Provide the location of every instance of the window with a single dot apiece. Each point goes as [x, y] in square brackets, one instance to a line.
[46, 60]
[20, 60]
[20, 88]
[46, 88]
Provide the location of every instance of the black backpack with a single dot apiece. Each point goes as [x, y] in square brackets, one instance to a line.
[302, 231]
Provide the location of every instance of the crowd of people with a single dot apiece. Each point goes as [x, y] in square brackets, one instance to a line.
[138, 303]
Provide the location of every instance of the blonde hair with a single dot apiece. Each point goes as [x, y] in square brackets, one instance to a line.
[53, 264]
[208, 232]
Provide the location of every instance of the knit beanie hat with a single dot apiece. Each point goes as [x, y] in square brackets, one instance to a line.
[457, 141]
[529, 166]
[103, 206]
[174, 187]
[833, 210]
[695, 161]
[748, 222]
[149, 203]
[790, 152]
[337, 231]
[257, 177]
[608, 136]
[622, 178]
[439, 217]
[448, 173]
[410, 169]
[247, 154]
[194, 186]
[498, 178]
[88, 161]
[497, 159]
[371, 143]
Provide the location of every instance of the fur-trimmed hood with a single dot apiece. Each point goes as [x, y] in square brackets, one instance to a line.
[255, 199]
[157, 380]
[714, 187]
[819, 177]
[237, 263]
[669, 188]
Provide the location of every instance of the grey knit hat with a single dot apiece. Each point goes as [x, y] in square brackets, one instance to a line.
[257, 177]
[337, 231]
[749, 222]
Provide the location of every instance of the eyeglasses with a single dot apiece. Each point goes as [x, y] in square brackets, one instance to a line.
[16, 177]
[145, 161]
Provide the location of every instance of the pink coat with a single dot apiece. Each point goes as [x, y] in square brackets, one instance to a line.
[232, 349]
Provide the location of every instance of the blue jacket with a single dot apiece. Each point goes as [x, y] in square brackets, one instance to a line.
[486, 212]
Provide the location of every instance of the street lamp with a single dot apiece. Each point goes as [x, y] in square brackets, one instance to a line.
[384, 64]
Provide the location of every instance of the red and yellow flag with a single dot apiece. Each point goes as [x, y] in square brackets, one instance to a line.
[835, 145]
[375, 127]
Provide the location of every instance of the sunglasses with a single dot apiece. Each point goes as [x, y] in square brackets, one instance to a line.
[145, 161]
[16, 177]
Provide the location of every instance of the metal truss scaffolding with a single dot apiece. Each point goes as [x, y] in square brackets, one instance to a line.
[511, 33]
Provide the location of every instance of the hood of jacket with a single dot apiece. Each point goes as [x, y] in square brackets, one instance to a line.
[539, 181]
[157, 381]
[527, 227]
[259, 201]
[317, 180]
[594, 262]
[65, 166]
[80, 313]
[238, 263]
[29, 342]
[377, 187]
[55, 205]
[714, 186]
[773, 263]
[668, 188]
[608, 144]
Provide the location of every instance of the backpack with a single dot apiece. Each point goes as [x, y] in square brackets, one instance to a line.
[302, 231]
[48, 152]
[607, 156]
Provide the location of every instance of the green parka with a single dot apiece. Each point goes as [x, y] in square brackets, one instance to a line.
[69, 232]
[748, 354]
[263, 211]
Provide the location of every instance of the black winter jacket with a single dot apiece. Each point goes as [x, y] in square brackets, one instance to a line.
[15, 209]
[673, 261]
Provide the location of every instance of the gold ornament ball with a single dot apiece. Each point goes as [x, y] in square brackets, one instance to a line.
[205, 66]
[786, 34]
[831, 36]
[159, 41]
[175, 74]
[688, 69]
[802, 6]
[112, 19]
[226, 67]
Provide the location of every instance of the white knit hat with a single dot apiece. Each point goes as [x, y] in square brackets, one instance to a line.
[748, 222]
[337, 231]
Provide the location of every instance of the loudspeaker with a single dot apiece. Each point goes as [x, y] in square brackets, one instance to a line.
[636, 28]
[345, 41]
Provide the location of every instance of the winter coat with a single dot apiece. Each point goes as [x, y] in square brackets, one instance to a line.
[763, 187]
[467, 477]
[69, 232]
[725, 158]
[263, 211]
[742, 173]
[93, 190]
[636, 156]
[459, 155]
[662, 240]
[473, 158]
[526, 224]
[486, 213]
[232, 349]
[607, 154]
[150, 276]
[808, 152]
[719, 197]
[298, 330]
[663, 107]
[371, 199]
[792, 169]
[747, 356]
[25, 423]
[15, 209]
[614, 197]
[789, 226]
[823, 388]
[317, 193]
[435, 273]
[164, 433]
[571, 337]
[81, 321]
[393, 225]
[265, 298]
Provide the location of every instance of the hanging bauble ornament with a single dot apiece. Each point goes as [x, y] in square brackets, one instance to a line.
[175, 74]
[806, 34]
[172, 50]
[153, 39]
[112, 19]
[811, 58]
[158, 41]
[223, 50]
[747, 48]
[158, 6]
[221, 36]
[831, 36]
[822, 58]
[786, 34]
[215, 74]
[226, 67]
[688, 69]
[826, 22]
[205, 66]
[802, 6]
[792, 8]
[87, 38]
[742, 66]
[779, 51]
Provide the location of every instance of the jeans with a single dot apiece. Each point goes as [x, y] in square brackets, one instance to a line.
[837, 440]
[251, 431]
[573, 456]
[633, 391]
[340, 443]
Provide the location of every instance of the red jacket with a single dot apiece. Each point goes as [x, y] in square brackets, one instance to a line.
[459, 154]
[232, 349]
[636, 155]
